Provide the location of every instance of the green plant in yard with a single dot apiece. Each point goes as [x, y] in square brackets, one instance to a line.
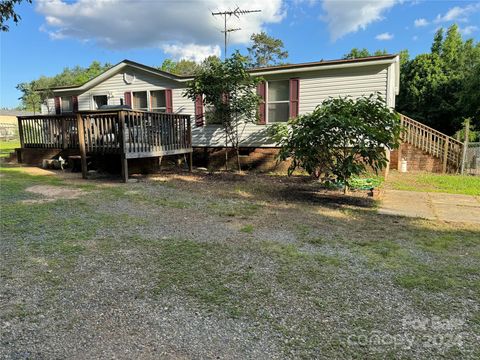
[341, 138]
[227, 88]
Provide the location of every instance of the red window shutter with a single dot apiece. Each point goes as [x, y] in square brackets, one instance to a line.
[58, 109]
[168, 100]
[199, 111]
[128, 98]
[294, 97]
[75, 103]
[261, 91]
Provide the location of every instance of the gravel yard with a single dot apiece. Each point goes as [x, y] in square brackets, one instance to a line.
[227, 266]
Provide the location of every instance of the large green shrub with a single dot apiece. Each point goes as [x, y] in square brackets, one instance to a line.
[341, 138]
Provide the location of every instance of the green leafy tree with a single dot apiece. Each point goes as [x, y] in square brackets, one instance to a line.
[266, 50]
[36, 92]
[341, 138]
[451, 49]
[168, 65]
[420, 86]
[31, 100]
[228, 89]
[7, 11]
[470, 95]
[439, 88]
[437, 42]
[361, 53]
[182, 67]
[185, 67]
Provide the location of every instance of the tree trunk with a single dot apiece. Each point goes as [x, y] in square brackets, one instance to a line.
[238, 158]
[226, 149]
[237, 144]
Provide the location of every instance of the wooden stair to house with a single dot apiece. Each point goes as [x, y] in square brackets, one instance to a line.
[427, 149]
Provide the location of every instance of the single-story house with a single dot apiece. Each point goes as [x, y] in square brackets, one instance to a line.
[288, 91]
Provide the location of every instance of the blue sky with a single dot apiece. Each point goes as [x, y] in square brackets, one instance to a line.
[54, 34]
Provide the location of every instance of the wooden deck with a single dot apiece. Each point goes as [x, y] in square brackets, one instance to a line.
[130, 134]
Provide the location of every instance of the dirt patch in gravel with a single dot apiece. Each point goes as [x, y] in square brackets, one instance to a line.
[52, 193]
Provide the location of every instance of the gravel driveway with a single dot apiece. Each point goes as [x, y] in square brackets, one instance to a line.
[229, 267]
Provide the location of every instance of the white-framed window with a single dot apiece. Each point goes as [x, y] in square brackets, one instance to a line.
[99, 101]
[67, 104]
[278, 101]
[139, 100]
[158, 101]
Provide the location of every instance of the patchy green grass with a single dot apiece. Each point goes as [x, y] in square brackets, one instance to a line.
[233, 208]
[446, 183]
[248, 229]
[7, 147]
[309, 274]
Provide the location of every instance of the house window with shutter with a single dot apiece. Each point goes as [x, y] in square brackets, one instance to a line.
[67, 104]
[140, 101]
[278, 101]
[158, 101]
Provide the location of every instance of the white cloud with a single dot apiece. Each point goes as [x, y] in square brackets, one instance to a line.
[191, 51]
[468, 30]
[344, 17]
[458, 13]
[420, 22]
[118, 24]
[384, 36]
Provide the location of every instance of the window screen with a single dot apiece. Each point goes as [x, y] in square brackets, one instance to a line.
[140, 100]
[158, 100]
[67, 104]
[278, 101]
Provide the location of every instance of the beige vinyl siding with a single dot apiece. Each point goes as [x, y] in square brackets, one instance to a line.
[315, 87]
[115, 87]
[251, 135]
[181, 104]
[319, 86]
[85, 102]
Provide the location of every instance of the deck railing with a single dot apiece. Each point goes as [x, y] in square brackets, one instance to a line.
[48, 131]
[433, 142]
[149, 133]
[132, 134]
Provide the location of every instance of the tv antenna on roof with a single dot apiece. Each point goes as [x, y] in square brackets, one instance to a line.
[237, 12]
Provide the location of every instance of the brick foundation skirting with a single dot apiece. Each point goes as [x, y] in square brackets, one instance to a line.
[417, 160]
[261, 159]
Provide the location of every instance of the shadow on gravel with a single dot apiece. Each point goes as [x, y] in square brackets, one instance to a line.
[293, 189]
[332, 199]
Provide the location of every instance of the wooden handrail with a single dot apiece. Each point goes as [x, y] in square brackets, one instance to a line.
[405, 119]
[433, 142]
